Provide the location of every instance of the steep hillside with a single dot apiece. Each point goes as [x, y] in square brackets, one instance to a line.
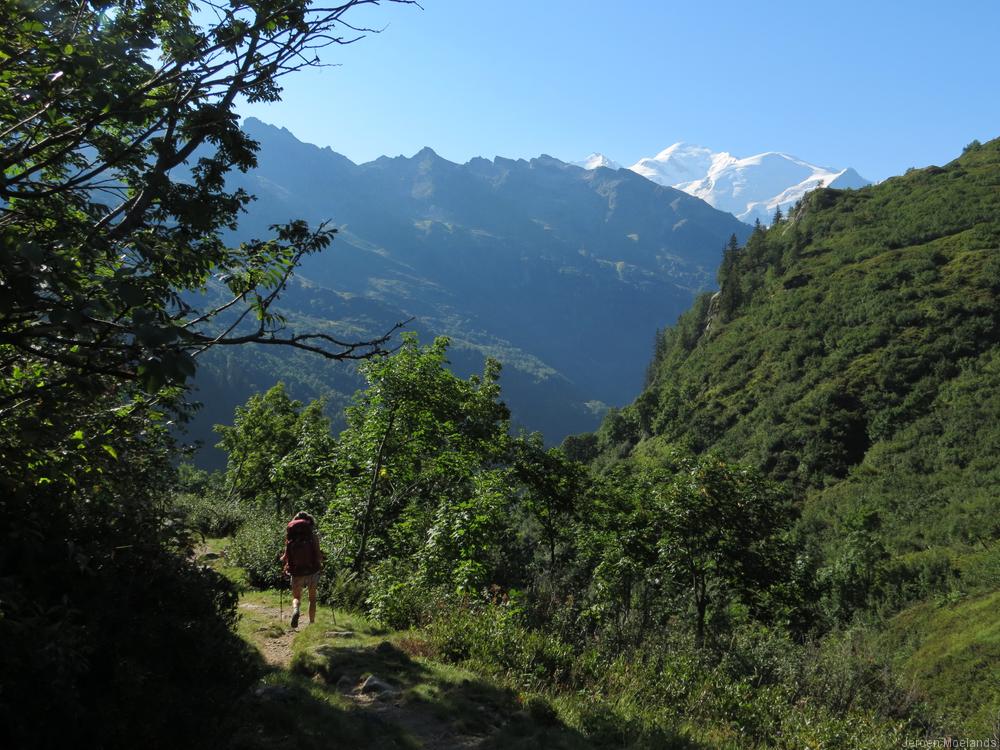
[852, 354]
[837, 331]
[563, 274]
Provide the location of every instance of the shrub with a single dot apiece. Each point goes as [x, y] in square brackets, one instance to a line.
[493, 638]
[466, 631]
[341, 588]
[396, 598]
[147, 655]
[211, 514]
[257, 548]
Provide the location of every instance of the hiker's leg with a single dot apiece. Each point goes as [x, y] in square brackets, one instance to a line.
[312, 598]
[296, 593]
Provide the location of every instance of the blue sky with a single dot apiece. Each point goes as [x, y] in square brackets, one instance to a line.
[877, 85]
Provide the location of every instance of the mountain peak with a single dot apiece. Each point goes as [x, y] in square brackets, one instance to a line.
[494, 253]
[596, 160]
[680, 163]
[682, 150]
[751, 187]
[253, 124]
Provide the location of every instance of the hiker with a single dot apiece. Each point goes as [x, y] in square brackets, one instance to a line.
[303, 559]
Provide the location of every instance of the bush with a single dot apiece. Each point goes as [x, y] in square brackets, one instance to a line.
[760, 688]
[210, 514]
[341, 588]
[493, 638]
[170, 650]
[257, 549]
[396, 598]
[140, 653]
[465, 631]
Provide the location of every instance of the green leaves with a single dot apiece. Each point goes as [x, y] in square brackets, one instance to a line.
[104, 234]
[685, 539]
[280, 454]
[413, 466]
[109, 251]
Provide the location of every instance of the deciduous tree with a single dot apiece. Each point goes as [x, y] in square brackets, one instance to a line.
[117, 129]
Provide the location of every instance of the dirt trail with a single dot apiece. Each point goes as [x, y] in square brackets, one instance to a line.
[275, 638]
[430, 732]
[388, 705]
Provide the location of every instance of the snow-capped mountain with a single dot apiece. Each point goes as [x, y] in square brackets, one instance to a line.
[681, 163]
[755, 187]
[749, 188]
[596, 160]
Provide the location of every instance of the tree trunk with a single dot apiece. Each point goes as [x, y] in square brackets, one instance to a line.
[552, 552]
[359, 558]
[701, 605]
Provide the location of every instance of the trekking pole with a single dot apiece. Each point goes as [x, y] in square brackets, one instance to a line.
[281, 599]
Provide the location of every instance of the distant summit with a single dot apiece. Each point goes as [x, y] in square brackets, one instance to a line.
[680, 163]
[596, 160]
[750, 188]
[755, 187]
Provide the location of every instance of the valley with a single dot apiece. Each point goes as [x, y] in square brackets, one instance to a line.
[404, 451]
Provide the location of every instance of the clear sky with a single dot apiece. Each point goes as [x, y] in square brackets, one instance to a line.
[877, 85]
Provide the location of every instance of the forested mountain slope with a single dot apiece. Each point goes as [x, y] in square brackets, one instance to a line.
[867, 320]
[563, 274]
[852, 354]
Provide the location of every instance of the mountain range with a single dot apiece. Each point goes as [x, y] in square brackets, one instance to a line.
[750, 188]
[563, 274]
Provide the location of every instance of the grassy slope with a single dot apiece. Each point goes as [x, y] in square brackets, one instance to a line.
[853, 355]
[950, 651]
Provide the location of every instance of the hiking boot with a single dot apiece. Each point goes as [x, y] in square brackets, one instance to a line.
[295, 619]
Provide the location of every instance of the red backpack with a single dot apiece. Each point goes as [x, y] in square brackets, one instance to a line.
[301, 553]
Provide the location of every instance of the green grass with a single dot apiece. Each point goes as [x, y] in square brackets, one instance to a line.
[291, 709]
[434, 699]
[214, 554]
[256, 624]
[951, 652]
[307, 705]
[298, 713]
[314, 702]
[438, 698]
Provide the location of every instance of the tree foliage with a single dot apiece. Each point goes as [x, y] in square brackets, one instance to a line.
[416, 466]
[111, 207]
[430, 497]
[280, 453]
[117, 129]
[723, 533]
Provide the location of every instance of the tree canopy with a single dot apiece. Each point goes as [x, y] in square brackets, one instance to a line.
[117, 129]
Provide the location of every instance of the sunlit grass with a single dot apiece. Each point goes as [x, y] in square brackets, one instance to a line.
[951, 651]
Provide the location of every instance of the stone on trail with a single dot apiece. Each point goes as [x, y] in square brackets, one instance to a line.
[272, 693]
[339, 634]
[374, 685]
